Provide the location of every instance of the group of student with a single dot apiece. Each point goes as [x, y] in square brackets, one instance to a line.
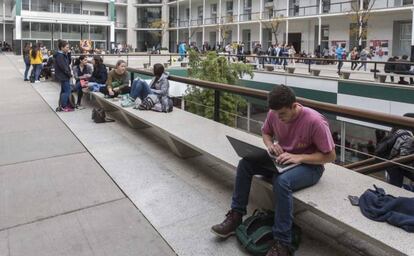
[40, 59]
[95, 77]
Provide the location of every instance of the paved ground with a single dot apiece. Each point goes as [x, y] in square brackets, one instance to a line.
[77, 199]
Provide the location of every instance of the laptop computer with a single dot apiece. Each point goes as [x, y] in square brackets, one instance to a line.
[258, 155]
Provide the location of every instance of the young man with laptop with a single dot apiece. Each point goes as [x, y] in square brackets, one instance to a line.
[293, 134]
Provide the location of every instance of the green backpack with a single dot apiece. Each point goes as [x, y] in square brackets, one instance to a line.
[256, 236]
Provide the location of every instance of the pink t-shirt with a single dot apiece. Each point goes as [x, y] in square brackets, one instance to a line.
[307, 133]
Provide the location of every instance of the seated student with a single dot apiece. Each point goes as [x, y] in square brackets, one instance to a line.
[81, 72]
[99, 75]
[159, 86]
[118, 81]
[390, 67]
[400, 142]
[294, 134]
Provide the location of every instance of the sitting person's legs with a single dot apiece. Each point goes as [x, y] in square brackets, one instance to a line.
[284, 184]
[78, 88]
[140, 89]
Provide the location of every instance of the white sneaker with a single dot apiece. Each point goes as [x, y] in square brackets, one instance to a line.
[37, 81]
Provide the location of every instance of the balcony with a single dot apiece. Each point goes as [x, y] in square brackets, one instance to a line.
[184, 23]
[304, 10]
[173, 23]
[249, 16]
[148, 2]
[62, 9]
[229, 19]
[211, 21]
[197, 22]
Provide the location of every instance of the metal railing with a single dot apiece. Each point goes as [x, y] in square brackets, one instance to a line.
[343, 111]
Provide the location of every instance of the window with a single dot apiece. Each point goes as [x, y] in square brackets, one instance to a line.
[247, 4]
[326, 6]
[229, 6]
[200, 12]
[25, 29]
[353, 35]
[405, 37]
[187, 13]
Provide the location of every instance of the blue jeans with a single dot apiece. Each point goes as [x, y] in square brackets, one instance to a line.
[26, 71]
[95, 87]
[37, 68]
[140, 89]
[65, 91]
[299, 177]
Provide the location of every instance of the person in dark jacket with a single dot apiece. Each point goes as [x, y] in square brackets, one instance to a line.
[63, 74]
[26, 59]
[403, 68]
[390, 68]
[99, 75]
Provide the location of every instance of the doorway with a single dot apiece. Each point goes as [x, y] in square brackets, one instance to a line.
[295, 39]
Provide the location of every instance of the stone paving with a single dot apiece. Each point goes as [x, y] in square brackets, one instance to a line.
[104, 189]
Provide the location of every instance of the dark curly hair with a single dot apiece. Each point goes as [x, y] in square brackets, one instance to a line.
[281, 96]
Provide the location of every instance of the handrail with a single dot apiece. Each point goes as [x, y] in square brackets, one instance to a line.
[355, 113]
[381, 166]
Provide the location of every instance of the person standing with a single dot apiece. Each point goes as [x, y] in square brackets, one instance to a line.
[26, 60]
[304, 138]
[36, 61]
[63, 75]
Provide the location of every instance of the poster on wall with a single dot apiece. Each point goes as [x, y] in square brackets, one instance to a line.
[379, 49]
[85, 45]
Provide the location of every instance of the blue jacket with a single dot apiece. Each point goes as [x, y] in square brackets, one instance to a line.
[339, 53]
[378, 206]
[62, 68]
[181, 49]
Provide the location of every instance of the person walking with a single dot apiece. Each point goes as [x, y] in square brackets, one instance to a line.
[354, 58]
[339, 56]
[364, 57]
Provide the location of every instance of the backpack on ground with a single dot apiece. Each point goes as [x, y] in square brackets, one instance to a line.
[99, 116]
[256, 236]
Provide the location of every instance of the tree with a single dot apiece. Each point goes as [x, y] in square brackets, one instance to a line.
[215, 68]
[360, 16]
[274, 24]
[225, 29]
[162, 26]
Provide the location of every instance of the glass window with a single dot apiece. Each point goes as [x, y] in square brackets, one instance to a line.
[25, 29]
[98, 32]
[229, 6]
[26, 5]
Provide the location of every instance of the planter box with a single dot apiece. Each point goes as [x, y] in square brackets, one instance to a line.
[346, 75]
[381, 78]
[184, 64]
[290, 70]
[315, 72]
[269, 67]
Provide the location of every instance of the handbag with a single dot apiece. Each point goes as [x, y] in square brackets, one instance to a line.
[99, 116]
[84, 83]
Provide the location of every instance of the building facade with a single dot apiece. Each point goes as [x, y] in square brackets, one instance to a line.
[147, 24]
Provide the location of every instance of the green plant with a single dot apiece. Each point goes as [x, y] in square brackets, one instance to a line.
[218, 69]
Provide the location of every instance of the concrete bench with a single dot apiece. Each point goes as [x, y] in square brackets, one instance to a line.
[146, 65]
[345, 74]
[382, 77]
[290, 70]
[327, 201]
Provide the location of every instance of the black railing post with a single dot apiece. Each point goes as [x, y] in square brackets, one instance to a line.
[216, 105]
[149, 58]
[375, 70]
[284, 59]
[132, 78]
[309, 65]
[127, 60]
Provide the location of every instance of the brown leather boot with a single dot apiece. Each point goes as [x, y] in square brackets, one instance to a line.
[229, 225]
[279, 249]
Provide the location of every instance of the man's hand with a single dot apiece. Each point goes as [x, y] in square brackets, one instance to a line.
[288, 158]
[275, 149]
[111, 92]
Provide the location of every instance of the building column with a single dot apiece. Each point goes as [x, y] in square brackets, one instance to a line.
[219, 22]
[238, 21]
[361, 7]
[189, 24]
[204, 17]
[18, 27]
[4, 21]
[178, 23]
[412, 35]
[287, 22]
[165, 14]
[319, 33]
[112, 19]
[261, 33]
